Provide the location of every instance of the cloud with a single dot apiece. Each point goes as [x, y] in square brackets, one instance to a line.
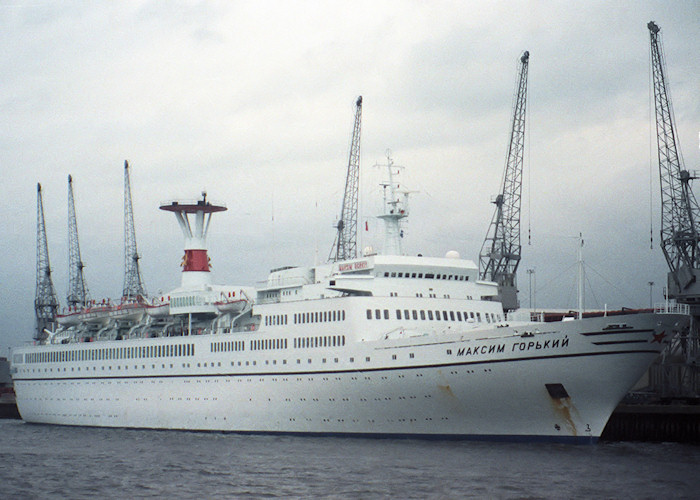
[254, 102]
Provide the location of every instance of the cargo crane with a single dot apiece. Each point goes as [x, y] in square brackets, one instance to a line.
[78, 294]
[679, 208]
[45, 301]
[500, 254]
[134, 290]
[678, 374]
[345, 245]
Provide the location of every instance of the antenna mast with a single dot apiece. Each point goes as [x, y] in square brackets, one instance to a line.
[500, 253]
[45, 301]
[78, 294]
[345, 245]
[133, 283]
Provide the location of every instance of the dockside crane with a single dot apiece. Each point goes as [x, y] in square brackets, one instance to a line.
[134, 289]
[500, 253]
[45, 300]
[677, 374]
[345, 245]
[78, 294]
[680, 240]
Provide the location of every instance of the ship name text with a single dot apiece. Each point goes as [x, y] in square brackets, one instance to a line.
[353, 266]
[517, 346]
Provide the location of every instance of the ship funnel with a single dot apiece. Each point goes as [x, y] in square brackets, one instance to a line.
[195, 262]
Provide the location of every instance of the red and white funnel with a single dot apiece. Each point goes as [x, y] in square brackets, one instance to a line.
[195, 263]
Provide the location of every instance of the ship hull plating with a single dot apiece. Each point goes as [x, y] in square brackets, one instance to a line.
[552, 381]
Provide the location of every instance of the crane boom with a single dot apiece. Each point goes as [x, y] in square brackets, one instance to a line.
[345, 245]
[500, 254]
[680, 240]
[77, 288]
[45, 301]
[133, 283]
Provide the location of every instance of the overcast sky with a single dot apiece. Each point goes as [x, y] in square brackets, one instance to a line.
[253, 101]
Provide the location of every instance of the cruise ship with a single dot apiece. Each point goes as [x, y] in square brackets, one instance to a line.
[380, 345]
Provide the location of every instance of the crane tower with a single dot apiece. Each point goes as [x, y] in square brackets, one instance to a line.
[679, 208]
[345, 245]
[133, 283]
[678, 372]
[500, 254]
[78, 294]
[45, 301]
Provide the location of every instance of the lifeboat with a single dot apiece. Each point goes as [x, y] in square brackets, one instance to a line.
[231, 305]
[158, 310]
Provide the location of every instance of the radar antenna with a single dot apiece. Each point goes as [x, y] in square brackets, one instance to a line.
[345, 245]
[45, 301]
[500, 253]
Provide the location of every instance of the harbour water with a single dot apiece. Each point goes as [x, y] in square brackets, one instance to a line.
[41, 461]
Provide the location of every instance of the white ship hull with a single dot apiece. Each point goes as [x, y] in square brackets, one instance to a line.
[551, 381]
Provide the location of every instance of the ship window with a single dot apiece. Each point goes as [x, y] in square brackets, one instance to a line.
[459, 316]
[420, 275]
[332, 315]
[369, 313]
[377, 314]
[452, 315]
[386, 274]
[352, 360]
[398, 314]
[429, 276]
[471, 315]
[478, 317]
[430, 315]
[386, 313]
[413, 275]
[415, 314]
[422, 314]
[393, 356]
[393, 275]
[400, 275]
[405, 314]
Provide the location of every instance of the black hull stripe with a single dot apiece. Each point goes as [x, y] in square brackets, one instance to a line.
[616, 332]
[333, 372]
[515, 438]
[612, 342]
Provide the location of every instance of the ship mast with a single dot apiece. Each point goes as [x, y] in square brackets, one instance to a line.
[395, 210]
[45, 300]
[345, 245]
[133, 283]
[500, 253]
[78, 294]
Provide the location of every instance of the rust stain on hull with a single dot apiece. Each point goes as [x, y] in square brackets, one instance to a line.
[447, 390]
[563, 407]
